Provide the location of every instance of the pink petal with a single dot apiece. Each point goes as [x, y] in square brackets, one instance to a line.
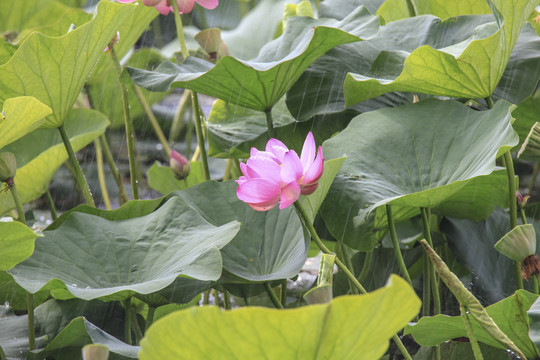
[163, 8]
[126, 1]
[241, 180]
[258, 191]
[263, 167]
[263, 206]
[316, 170]
[307, 189]
[209, 4]
[185, 6]
[308, 152]
[289, 194]
[291, 168]
[277, 148]
[151, 2]
[243, 168]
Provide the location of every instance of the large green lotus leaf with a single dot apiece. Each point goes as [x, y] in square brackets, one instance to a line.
[269, 246]
[426, 161]
[393, 10]
[98, 258]
[471, 69]
[320, 88]
[131, 209]
[16, 244]
[104, 90]
[70, 18]
[20, 15]
[233, 130]
[348, 327]
[40, 153]
[22, 115]
[259, 84]
[457, 350]
[68, 343]
[509, 314]
[162, 179]
[14, 334]
[54, 69]
[340, 9]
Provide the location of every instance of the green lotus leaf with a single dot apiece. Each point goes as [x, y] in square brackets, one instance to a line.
[23, 15]
[233, 130]
[270, 245]
[40, 153]
[22, 115]
[509, 314]
[260, 83]
[393, 10]
[16, 244]
[432, 150]
[54, 69]
[69, 18]
[471, 69]
[346, 328]
[98, 258]
[320, 88]
[79, 332]
[6, 50]
[518, 243]
[15, 296]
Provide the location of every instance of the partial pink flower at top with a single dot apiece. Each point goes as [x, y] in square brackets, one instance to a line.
[184, 6]
[278, 175]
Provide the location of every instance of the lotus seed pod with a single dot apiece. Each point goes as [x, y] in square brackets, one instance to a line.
[8, 166]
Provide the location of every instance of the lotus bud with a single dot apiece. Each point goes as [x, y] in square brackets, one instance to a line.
[8, 167]
[520, 245]
[179, 165]
[521, 200]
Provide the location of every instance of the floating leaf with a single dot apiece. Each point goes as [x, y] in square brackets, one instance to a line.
[260, 83]
[431, 151]
[22, 115]
[40, 153]
[54, 69]
[269, 246]
[16, 244]
[471, 69]
[346, 328]
[509, 314]
[97, 258]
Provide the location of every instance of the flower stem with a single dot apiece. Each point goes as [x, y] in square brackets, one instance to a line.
[432, 273]
[123, 197]
[135, 325]
[489, 102]
[365, 266]
[412, 10]
[199, 132]
[17, 201]
[304, 218]
[31, 330]
[536, 281]
[180, 30]
[395, 243]
[83, 184]
[341, 252]
[272, 295]
[153, 121]
[284, 292]
[206, 297]
[426, 288]
[50, 202]
[128, 319]
[513, 208]
[178, 120]
[470, 334]
[101, 175]
[130, 136]
[149, 317]
[269, 123]
[227, 173]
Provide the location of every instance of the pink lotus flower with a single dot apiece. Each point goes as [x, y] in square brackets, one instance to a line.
[278, 175]
[179, 165]
[184, 6]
